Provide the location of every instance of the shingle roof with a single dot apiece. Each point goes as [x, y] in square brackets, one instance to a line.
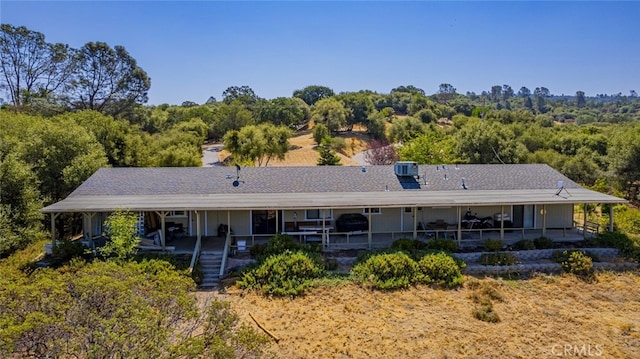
[320, 187]
[212, 180]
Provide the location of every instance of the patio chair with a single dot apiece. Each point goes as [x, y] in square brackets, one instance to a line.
[425, 233]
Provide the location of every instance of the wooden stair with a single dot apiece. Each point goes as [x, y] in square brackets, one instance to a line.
[210, 263]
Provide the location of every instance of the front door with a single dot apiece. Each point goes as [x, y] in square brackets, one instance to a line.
[523, 216]
[264, 221]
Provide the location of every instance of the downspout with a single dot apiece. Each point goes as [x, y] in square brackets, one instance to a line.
[227, 244]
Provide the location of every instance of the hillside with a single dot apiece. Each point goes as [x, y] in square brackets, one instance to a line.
[540, 317]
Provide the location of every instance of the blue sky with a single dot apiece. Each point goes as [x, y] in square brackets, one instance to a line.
[193, 50]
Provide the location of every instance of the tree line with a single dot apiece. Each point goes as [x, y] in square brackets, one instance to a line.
[57, 77]
[60, 127]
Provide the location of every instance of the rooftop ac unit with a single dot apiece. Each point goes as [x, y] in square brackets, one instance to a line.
[406, 169]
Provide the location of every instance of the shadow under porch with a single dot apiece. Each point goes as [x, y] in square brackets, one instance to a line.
[466, 238]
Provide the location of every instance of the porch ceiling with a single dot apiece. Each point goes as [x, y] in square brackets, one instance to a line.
[247, 201]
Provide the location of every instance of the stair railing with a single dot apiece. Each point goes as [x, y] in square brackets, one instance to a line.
[195, 256]
[225, 253]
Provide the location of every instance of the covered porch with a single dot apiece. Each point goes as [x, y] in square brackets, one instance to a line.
[248, 219]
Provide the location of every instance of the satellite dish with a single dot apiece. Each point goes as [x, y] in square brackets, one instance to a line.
[236, 183]
[560, 186]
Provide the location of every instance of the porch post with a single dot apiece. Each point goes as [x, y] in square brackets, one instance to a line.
[544, 220]
[502, 222]
[162, 215]
[584, 222]
[277, 222]
[324, 237]
[459, 234]
[370, 237]
[90, 216]
[228, 239]
[206, 224]
[53, 229]
[611, 218]
[198, 232]
[415, 222]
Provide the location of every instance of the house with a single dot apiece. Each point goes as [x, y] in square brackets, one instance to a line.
[229, 208]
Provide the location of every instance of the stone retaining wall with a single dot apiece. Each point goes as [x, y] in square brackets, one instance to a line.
[537, 254]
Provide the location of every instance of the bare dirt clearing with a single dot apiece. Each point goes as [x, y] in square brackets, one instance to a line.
[303, 150]
[540, 316]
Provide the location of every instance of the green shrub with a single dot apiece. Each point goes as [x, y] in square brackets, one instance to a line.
[525, 244]
[498, 259]
[387, 271]
[285, 274]
[408, 244]
[560, 256]
[442, 244]
[280, 243]
[258, 250]
[66, 250]
[330, 263]
[578, 263]
[364, 255]
[440, 269]
[493, 245]
[543, 243]
[628, 246]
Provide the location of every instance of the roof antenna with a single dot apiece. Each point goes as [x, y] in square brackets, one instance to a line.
[237, 182]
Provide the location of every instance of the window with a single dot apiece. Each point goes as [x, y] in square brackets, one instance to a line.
[177, 214]
[317, 214]
[408, 209]
[373, 210]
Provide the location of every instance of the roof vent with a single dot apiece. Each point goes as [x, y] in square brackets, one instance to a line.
[406, 169]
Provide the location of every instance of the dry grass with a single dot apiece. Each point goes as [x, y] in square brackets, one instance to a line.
[538, 316]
